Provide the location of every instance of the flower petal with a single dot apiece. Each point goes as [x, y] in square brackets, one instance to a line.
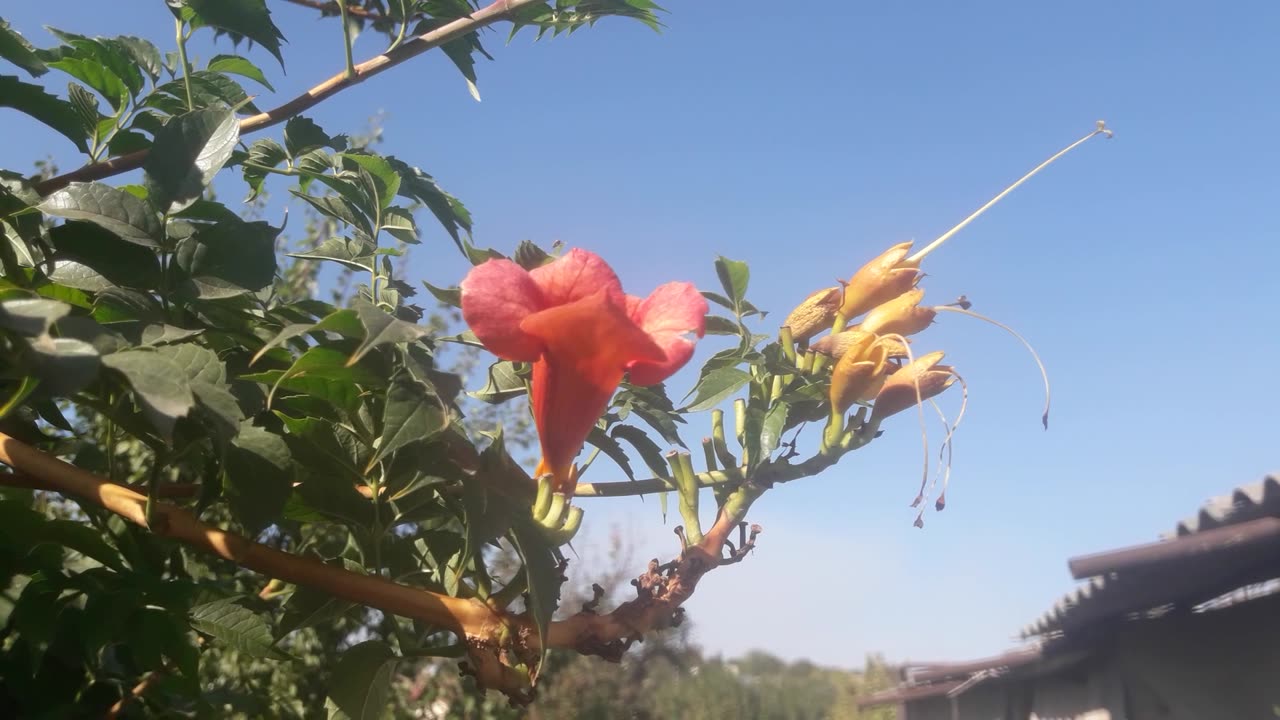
[496, 296]
[669, 315]
[589, 343]
[576, 275]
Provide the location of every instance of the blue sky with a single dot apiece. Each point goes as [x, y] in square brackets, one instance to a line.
[807, 142]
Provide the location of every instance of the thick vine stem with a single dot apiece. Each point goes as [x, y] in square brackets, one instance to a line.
[485, 16]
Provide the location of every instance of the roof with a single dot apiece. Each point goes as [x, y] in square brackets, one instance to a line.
[1233, 541]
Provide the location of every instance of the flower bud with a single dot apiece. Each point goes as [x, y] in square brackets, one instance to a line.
[899, 391]
[815, 314]
[859, 373]
[837, 344]
[880, 280]
[900, 316]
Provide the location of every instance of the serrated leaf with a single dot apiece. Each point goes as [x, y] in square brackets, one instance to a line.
[717, 325]
[228, 259]
[48, 109]
[412, 413]
[360, 685]
[387, 180]
[716, 386]
[16, 49]
[237, 65]
[259, 476]
[238, 627]
[265, 153]
[610, 447]
[160, 385]
[339, 208]
[144, 54]
[649, 451]
[449, 211]
[112, 209]
[399, 223]
[382, 328]
[249, 18]
[541, 572]
[308, 606]
[86, 105]
[188, 151]
[504, 383]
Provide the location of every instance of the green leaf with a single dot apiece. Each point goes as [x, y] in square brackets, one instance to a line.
[237, 65]
[361, 681]
[412, 413]
[417, 185]
[237, 626]
[23, 527]
[48, 109]
[610, 447]
[716, 386]
[86, 105]
[16, 49]
[382, 328]
[399, 223]
[144, 54]
[122, 263]
[113, 209]
[162, 334]
[448, 296]
[249, 18]
[733, 276]
[342, 209]
[228, 259]
[207, 90]
[265, 153]
[385, 177]
[775, 421]
[648, 449]
[120, 75]
[302, 135]
[717, 325]
[160, 385]
[541, 571]
[31, 316]
[307, 606]
[97, 76]
[189, 150]
[259, 476]
[65, 365]
[504, 383]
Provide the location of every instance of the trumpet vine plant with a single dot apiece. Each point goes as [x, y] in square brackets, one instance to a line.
[199, 453]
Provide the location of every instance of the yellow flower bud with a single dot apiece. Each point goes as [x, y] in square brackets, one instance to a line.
[858, 374]
[815, 314]
[900, 316]
[899, 391]
[880, 280]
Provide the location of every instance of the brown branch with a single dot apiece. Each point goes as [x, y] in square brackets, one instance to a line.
[488, 15]
[146, 682]
[496, 641]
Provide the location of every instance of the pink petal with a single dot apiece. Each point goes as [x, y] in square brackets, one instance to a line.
[496, 296]
[575, 275]
[669, 315]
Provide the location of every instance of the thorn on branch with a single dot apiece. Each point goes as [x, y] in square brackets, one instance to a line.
[745, 546]
[597, 594]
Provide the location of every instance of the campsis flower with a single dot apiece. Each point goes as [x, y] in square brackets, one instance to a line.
[837, 344]
[901, 315]
[859, 373]
[881, 280]
[915, 382]
[571, 319]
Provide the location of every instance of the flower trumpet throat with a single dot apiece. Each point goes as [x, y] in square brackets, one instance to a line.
[582, 334]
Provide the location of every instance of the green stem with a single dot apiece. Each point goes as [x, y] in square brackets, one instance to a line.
[182, 57]
[346, 38]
